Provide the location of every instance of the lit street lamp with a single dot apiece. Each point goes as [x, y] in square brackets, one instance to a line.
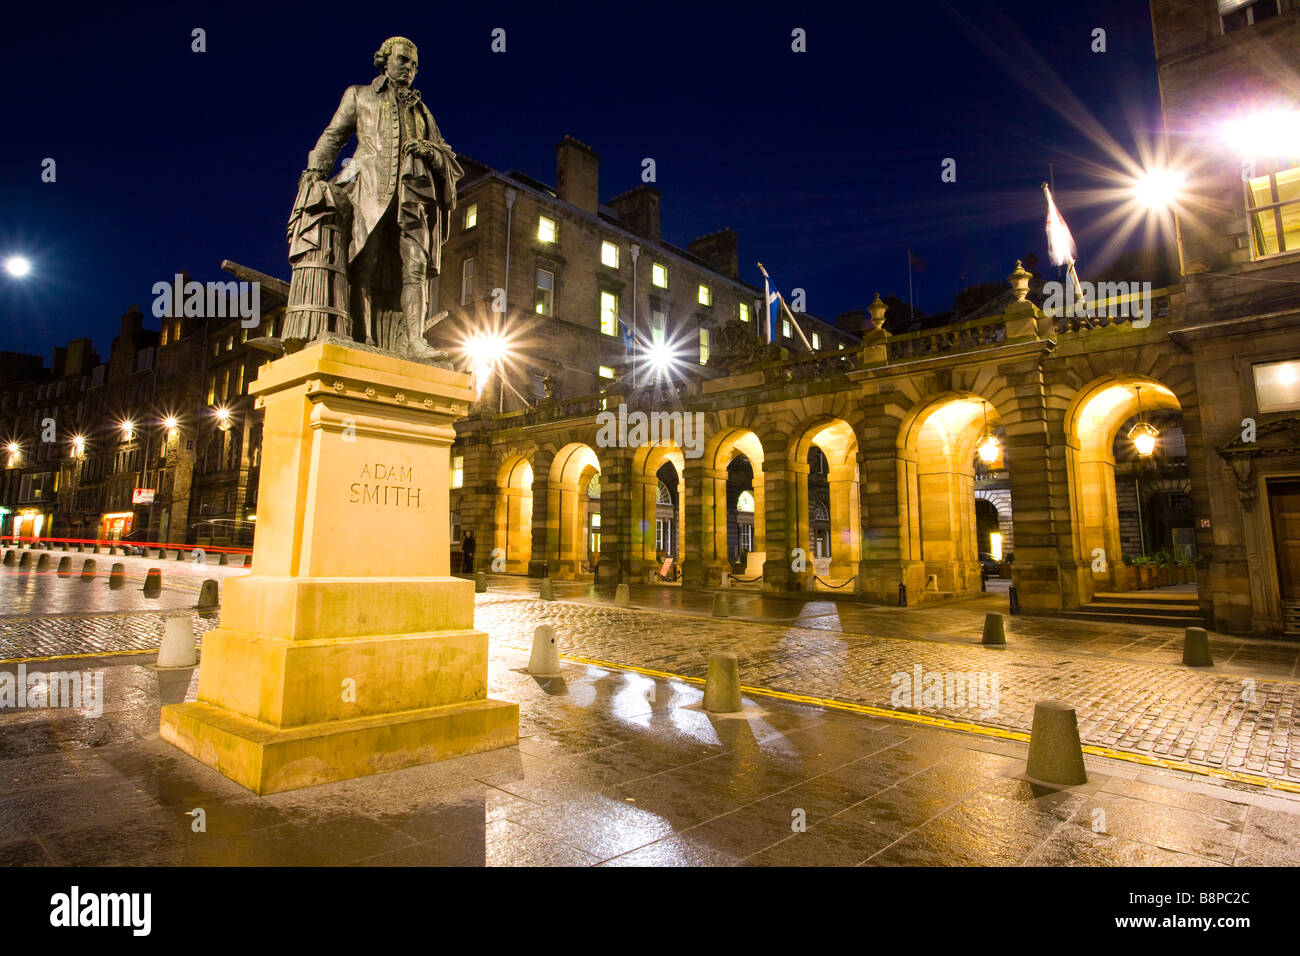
[18, 266]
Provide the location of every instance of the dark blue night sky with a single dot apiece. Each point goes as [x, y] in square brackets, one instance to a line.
[826, 163]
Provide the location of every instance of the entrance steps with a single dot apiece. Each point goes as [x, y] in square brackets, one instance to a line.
[1162, 607]
[1291, 618]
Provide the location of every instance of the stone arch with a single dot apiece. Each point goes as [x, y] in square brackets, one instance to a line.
[1000, 499]
[711, 516]
[836, 440]
[937, 443]
[648, 462]
[569, 514]
[514, 513]
[1093, 421]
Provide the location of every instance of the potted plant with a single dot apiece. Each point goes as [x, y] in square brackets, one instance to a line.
[1164, 568]
[1146, 572]
[1130, 578]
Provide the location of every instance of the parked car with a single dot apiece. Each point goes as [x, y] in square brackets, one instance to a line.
[128, 541]
[991, 565]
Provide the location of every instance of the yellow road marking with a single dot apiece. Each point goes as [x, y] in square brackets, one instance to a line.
[946, 723]
[69, 657]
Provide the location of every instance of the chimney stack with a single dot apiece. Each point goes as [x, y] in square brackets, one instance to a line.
[639, 210]
[718, 249]
[577, 169]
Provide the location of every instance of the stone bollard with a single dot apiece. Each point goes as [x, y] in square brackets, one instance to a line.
[548, 590]
[88, 569]
[722, 684]
[545, 659]
[63, 546]
[180, 555]
[720, 608]
[25, 562]
[117, 575]
[43, 562]
[622, 596]
[224, 560]
[1055, 754]
[1196, 648]
[995, 630]
[153, 583]
[480, 582]
[10, 557]
[65, 565]
[178, 642]
[208, 596]
[726, 579]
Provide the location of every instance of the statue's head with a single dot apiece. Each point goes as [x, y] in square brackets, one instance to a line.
[399, 60]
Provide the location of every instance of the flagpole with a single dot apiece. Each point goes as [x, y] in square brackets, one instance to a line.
[767, 304]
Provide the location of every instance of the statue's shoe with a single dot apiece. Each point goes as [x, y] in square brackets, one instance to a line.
[423, 351]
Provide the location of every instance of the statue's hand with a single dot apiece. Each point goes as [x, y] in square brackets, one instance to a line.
[310, 176]
[425, 149]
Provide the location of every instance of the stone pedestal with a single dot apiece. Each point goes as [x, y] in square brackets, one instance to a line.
[350, 649]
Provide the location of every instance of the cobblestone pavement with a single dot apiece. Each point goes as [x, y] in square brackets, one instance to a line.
[1212, 720]
[1237, 722]
[618, 769]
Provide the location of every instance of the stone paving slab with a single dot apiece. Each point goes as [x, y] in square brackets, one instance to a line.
[1174, 712]
[613, 768]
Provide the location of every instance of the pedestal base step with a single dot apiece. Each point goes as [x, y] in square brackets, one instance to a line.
[268, 760]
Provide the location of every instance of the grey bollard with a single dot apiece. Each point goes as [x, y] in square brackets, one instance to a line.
[117, 575]
[88, 569]
[1055, 754]
[153, 582]
[480, 583]
[722, 684]
[622, 596]
[180, 555]
[208, 596]
[545, 659]
[78, 549]
[178, 642]
[995, 630]
[224, 560]
[10, 557]
[65, 565]
[25, 562]
[726, 579]
[720, 608]
[63, 546]
[43, 562]
[548, 590]
[1196, 648]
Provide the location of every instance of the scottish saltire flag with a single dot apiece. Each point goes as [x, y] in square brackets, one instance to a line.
[773, 299]
[1060, 244]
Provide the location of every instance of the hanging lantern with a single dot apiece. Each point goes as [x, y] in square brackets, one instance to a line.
[1143, 435]
[989, 448]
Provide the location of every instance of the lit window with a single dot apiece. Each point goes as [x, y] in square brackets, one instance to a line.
[1277, 386]
[840, 346]
[239, 382]
[243, 336]
[705, 296]
[212, 389]
[744, 311]
[785, 328]
[467, 282]
[545, 292]
[1235, 14]
[1273, 205]
[546, 229]
[659, 276]
[609, 254]
[216, 348]
[609, 313]
[471, 215]
[458, 471]
[230, 343]
[658, 327]
[704, 346]
[816, 342]
[606, 372]
[163, 339]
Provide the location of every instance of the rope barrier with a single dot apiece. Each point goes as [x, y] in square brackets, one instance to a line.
[836, 586]
[757, 577]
